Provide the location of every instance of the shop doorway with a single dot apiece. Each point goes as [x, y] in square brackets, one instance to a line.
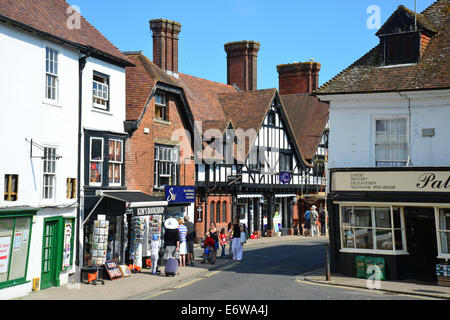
[51, 253]
[421, 242]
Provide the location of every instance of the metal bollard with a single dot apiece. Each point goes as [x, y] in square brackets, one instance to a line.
[327, 263]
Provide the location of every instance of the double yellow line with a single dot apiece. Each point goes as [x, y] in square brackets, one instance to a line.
[187, 283]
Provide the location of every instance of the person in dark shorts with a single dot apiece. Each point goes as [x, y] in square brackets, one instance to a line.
[190, 237]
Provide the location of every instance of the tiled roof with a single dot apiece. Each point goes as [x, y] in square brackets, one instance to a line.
[50, 17]
[431, 72]
[216, 105]
[309, 117]
[203, 97]
[140, 81]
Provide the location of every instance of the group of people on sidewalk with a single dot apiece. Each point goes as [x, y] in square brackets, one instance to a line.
[315, 223]
[179, 242]
[235, 236]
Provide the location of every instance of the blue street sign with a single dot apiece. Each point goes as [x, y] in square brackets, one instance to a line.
[285, 177]
[177, 194]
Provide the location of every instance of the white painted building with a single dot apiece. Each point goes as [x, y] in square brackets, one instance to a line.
[389, 156]
[39, 113]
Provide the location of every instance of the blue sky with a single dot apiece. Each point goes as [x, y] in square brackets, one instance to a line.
[333, 33]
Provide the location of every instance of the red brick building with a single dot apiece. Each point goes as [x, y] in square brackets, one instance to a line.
[263, 186]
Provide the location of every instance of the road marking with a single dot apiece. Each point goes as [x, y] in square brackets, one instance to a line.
[363, 289]
[188, 283]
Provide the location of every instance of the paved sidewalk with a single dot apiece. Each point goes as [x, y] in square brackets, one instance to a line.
[399, 287]
[144, 282]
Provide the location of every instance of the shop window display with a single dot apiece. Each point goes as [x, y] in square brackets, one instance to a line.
[444, 231]
[15, 235]
[372, 228]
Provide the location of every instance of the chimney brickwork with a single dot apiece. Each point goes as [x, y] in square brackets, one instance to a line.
[302, 77]
[165, 43]
[242, 64]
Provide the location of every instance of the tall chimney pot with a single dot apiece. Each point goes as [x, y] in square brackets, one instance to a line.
[165, 43]
[301, 77]
[242, 64]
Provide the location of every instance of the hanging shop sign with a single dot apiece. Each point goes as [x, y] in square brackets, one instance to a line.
[177, 194]
[113, 270]
[147, 211]
[285, 177]
[406, 181]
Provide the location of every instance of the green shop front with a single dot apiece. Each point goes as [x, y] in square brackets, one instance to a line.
[15, 235]
[396, 219]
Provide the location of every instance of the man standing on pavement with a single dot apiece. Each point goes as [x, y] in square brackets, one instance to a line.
[313, 217]
[190, 236]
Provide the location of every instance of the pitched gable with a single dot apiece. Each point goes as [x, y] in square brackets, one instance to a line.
[49, 17]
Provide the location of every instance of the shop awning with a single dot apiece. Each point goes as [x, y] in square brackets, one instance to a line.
[249, 196]
[290, 195]
[116, 203]
[134, 199]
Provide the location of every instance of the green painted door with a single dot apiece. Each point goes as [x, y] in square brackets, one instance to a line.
[50, 272]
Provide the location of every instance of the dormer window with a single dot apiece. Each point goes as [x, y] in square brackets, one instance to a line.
[404, 36]
[401, 48]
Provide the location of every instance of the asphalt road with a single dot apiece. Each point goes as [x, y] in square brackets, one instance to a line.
[271, 272]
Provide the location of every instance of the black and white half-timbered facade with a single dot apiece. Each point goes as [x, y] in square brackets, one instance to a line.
[266, 172]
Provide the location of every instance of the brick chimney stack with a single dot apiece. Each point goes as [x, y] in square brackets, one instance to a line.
[301, 77]
[165, 44]
[242, 64]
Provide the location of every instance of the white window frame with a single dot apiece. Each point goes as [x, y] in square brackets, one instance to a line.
[390, 117]
[403, 251]
[49, 176]
[98, 161]
[441, 255]
[172, 161]
[53, 75]
[104, 91]
[114, 162]
[162, 104]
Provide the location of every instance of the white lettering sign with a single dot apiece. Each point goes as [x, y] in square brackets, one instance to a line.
[149, 211]
[414, 181]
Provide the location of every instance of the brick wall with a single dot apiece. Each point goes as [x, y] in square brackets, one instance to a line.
[220, 223]
[140, 149]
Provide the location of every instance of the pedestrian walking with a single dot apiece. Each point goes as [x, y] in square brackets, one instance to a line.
[215, 235]
[208, 248]
[313, 218]
[237, 246]
[190, 237]
[183, 249]
[223, 241]
[322, 219]
[155, 245]
[230, 239]
[243, 234]
[307, 223]
[171, 239]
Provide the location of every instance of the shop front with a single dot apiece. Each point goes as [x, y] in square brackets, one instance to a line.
[399, 215]
[15, 235]
[120, 227]
[180, 201]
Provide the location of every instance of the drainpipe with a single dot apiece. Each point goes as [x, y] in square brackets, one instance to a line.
[409, 162]
[81, 65]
